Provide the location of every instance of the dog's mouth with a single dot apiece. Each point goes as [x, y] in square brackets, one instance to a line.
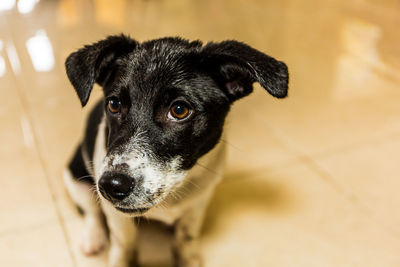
[138, 211]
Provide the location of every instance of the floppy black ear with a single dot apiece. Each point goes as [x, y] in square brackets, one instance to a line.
[237, 66]
[92, 63]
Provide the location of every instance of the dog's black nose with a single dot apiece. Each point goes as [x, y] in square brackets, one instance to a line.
[116, 186]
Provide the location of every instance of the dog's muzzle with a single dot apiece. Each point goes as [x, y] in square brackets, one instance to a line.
[116, 186]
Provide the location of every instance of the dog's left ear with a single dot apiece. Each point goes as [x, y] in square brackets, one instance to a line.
[236, 66]
[92, 63]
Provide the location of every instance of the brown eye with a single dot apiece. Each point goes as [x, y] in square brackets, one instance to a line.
[179, 111]
[114, 105]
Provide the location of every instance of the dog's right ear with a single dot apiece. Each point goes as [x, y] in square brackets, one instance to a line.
[92, 63]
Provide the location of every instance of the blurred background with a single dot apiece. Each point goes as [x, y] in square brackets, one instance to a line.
[311, 180]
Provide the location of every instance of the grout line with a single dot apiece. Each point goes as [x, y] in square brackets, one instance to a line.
[30, 121]
[304, 158]
[309, 162]
[371, 141]
[352, 197]
[27, 132]
[39, 151]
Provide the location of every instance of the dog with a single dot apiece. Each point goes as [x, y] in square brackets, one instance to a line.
[152, 147]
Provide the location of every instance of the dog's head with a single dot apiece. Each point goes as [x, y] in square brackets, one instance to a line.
[165, 103]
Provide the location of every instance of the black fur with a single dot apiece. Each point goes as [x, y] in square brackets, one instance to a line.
[148, 77]
[78, 168]
[91, 130]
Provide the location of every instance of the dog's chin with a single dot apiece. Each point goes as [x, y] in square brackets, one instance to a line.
[133, 211]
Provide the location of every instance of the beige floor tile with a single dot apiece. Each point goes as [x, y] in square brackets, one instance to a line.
[39, 246]
[291, 217]
[252, 144]
[25, 197]
[314, 130]
[371, 175]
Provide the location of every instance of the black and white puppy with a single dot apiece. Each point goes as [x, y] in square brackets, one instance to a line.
[151, 147]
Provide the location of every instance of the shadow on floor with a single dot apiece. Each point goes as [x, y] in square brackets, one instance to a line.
[245, 190]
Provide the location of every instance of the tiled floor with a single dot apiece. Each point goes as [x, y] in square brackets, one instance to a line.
[312, 180]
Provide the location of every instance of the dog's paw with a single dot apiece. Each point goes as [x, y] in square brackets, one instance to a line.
[94, 240]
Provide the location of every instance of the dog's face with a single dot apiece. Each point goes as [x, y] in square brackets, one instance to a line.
[165, 102]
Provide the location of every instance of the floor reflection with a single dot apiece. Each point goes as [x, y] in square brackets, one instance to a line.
[41, 51]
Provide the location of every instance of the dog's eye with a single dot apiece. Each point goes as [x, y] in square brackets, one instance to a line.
[179, 111]
[114, 105]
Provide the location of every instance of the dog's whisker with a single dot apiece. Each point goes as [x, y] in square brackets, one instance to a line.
[189, 181]
[144, 216]
[231, 145]
[179, 192]
[208, 169]
[83, 177]
[94, 195]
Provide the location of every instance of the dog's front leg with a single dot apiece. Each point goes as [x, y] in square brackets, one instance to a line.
[122, 238]
[186, 247]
